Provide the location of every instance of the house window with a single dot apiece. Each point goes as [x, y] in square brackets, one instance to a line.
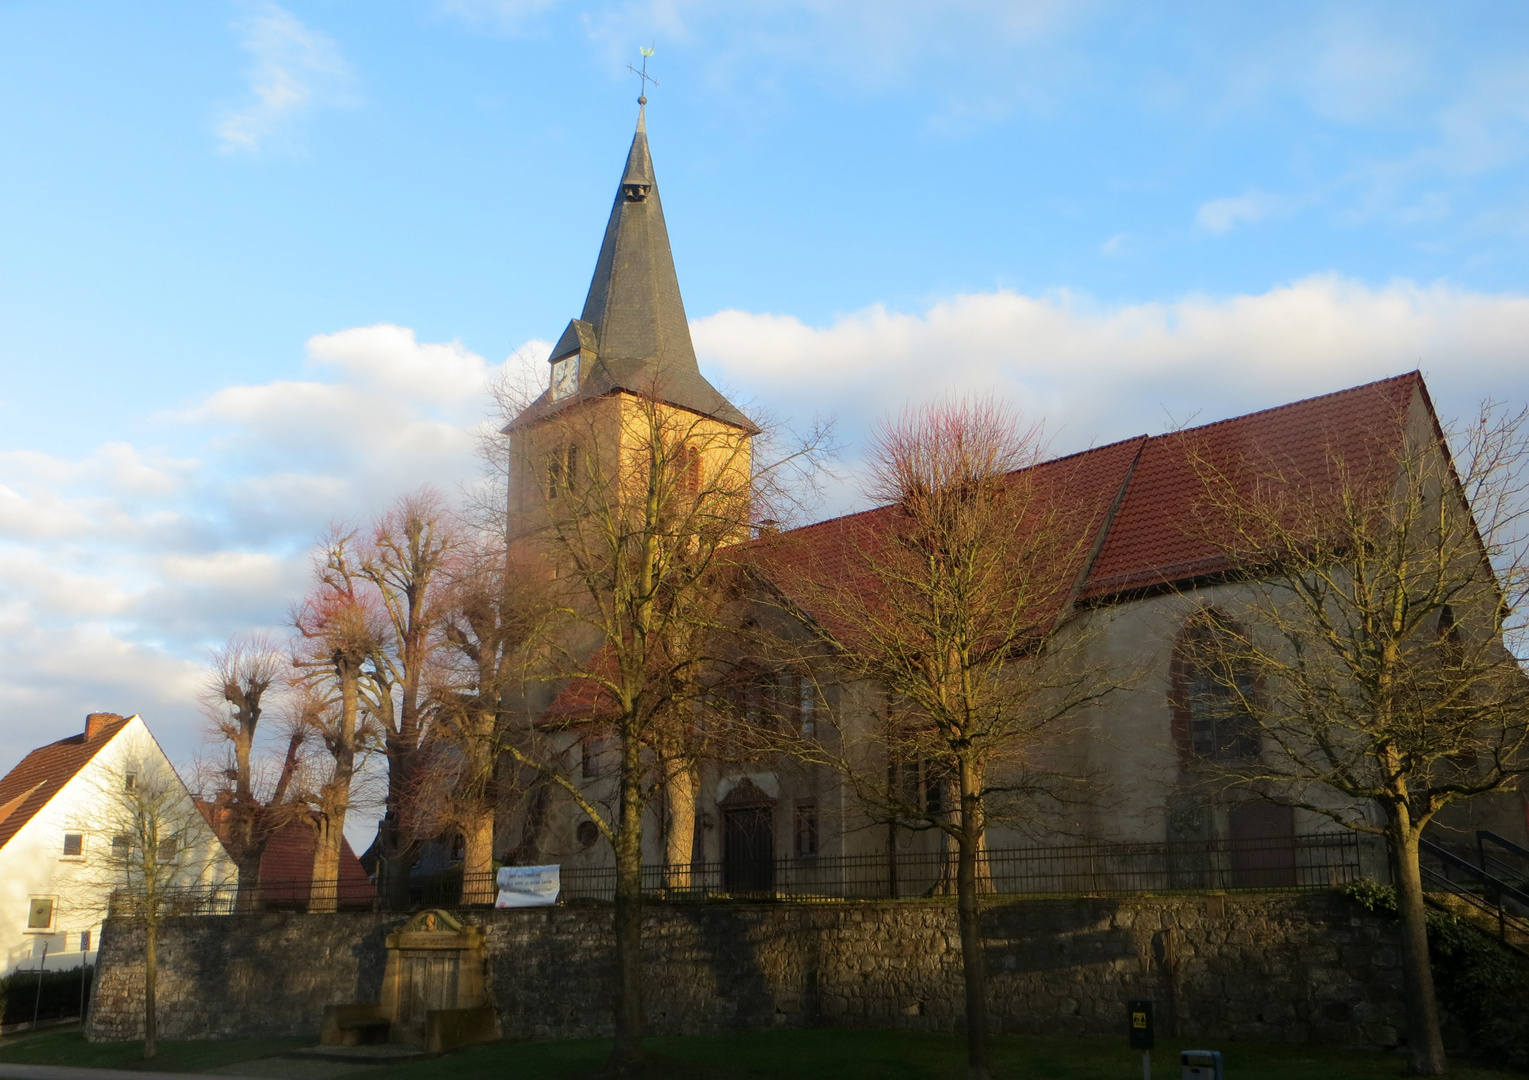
[166, 851]
[121, 847]
[130, 781]
[40, 913]
[84, 941]
[74, 845]
[806, 828]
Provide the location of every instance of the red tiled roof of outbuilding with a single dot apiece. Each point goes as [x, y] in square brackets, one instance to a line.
[40, 775]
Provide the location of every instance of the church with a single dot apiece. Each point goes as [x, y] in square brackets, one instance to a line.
[781, 826]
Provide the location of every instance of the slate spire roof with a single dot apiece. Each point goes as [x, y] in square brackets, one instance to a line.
[633, 329]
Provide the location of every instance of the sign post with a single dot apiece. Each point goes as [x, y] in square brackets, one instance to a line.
[1143, 1034]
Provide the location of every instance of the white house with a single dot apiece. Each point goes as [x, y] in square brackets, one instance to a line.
[56, 840]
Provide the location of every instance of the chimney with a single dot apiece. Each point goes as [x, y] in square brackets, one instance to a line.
[97, 721]
[766, 527]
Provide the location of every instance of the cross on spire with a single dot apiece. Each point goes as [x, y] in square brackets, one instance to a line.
[642, 98]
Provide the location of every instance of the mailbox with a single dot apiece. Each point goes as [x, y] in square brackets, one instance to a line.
[1141, 1029]
[1201, 1064]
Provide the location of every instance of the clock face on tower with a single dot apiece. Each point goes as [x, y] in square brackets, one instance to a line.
[565, 377]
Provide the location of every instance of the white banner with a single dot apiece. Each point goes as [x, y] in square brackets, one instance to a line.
[528, 886]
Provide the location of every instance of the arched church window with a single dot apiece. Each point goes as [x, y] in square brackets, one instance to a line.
[1214, 688]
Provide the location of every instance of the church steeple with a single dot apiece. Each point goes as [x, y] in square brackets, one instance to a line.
[633, 335]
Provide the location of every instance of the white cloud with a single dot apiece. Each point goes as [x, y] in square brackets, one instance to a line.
[295, 69]
[1097, 373]
[1219, 215]
[120, 567]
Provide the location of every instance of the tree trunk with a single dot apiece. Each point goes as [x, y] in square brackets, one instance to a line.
[478, 860]
[973, 959]
[323, 893]
[679, 839]
[150, 985]
[324, 887]
[1424, 1042]
[630, 1012]
[248, 866]
[394, 871]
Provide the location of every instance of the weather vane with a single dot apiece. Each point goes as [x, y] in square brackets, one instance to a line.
[643, 74]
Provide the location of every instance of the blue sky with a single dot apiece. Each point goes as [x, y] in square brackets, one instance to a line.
[257, 260]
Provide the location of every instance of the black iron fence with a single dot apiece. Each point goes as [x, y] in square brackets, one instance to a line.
[1319, 861]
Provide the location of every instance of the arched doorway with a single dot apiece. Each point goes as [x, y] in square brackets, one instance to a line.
[748, 839]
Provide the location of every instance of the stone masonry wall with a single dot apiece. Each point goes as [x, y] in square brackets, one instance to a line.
[1309, 967]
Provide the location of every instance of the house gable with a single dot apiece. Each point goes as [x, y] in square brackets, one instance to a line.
[42, 774]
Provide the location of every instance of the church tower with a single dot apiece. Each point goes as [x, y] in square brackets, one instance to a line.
[627, 356]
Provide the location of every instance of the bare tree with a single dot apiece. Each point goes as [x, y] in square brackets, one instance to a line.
[643, 502]
[339, 636]
[955, 605]
[1361, 666]
[246, 813]
[402, 563]
[491, 608]
[159, 844]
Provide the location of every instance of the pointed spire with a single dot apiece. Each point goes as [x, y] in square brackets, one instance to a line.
[633, 315]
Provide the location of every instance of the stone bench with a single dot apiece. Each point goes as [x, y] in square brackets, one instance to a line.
[354, 1025]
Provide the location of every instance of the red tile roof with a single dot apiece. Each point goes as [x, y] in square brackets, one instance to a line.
[1134, 499]
[1151, 541]
[286, 866]
[40, 775]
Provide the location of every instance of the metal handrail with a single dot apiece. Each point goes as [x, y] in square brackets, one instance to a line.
[1489, 900]
[1500, 841]
[1492, 883]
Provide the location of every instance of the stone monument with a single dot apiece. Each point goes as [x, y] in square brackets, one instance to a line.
[433, 994]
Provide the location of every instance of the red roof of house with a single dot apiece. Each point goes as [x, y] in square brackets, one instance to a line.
[286, 864]
[1134, 501]
[40, 775]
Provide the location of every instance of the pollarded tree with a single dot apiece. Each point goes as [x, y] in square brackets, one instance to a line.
[1363, 655]
[339, 636]
[955, 602]
[400, 566]
[491, 610]
[250, 804]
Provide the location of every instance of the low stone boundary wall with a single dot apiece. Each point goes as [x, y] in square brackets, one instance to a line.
[1297, 967]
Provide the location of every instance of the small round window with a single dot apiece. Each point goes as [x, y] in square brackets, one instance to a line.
[588, 832]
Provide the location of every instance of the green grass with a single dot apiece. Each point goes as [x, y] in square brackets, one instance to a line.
[67, 1046]
[861, 1055]
[785, 1055]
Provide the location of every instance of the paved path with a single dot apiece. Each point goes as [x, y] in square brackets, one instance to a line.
[275, 1068]
[13, 1071]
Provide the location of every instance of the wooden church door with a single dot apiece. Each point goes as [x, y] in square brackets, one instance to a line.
[748, 849]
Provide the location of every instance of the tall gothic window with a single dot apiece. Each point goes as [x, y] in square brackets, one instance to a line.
[1212, 690]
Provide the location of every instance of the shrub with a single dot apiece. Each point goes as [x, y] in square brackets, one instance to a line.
[1481, 983]
[60, 994]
